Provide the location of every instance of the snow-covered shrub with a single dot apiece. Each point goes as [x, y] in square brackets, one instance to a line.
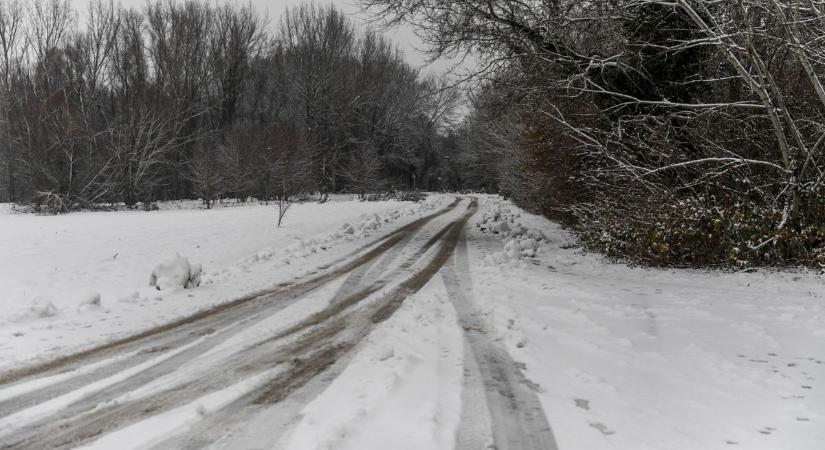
[50, 202]
[401, 196]
[409, 196]
[176, 273]
[694, 232]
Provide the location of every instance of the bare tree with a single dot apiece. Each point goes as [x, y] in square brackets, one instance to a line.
[140, 145]
[183, 99]
[207, 174]
[606, 109]
[11, 51]
[237, 40]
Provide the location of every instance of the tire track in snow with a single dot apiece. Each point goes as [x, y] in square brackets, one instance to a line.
[320, 370]
[199, 323]
[513, 417]
[311, 347]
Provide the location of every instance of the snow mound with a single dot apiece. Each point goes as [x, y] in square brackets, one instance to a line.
[39, 308]
[303, 248]
[92, 299]
[431, 203]
[519, 241]
[346, 229]
[370, 223]
[42, 308]
[89, 302]
[393, 216]
[176, 273]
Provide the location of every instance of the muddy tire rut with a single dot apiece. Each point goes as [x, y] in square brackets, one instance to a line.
[301, 351]
[500, 406]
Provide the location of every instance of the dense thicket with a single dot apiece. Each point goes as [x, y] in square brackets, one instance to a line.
[184, 99]
[686, 132]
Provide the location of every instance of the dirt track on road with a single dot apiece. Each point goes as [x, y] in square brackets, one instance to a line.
[302, 350]
[157, 371]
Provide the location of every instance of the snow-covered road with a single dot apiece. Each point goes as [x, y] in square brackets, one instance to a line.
[203, 380]
[468, 324]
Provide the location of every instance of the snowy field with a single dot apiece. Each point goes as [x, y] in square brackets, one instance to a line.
[618, 357]
[76, 280]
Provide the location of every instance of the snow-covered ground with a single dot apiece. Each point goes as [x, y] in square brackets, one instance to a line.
[620, 357]
[623, 358]
[634, 358]
[76, 280]
[401, 391]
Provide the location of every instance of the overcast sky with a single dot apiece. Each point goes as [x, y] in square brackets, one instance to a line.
[403, 36]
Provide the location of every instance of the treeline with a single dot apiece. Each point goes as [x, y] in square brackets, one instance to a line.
[190, 99]
[686, 132]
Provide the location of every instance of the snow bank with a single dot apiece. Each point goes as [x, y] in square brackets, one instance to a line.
[519, 241]
[365, 226]
[369, 223]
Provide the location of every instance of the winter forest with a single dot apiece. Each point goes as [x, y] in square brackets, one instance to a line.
[680, 132]
[187, 99]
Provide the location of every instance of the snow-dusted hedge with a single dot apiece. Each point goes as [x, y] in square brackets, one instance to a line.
[692, 233]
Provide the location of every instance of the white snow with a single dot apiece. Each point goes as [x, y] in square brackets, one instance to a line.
[24, 387]
[73, 281]
[633, 358]
[155, 429]
[402, 390]
[624, 358]
[28, 415]
[248, 337]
